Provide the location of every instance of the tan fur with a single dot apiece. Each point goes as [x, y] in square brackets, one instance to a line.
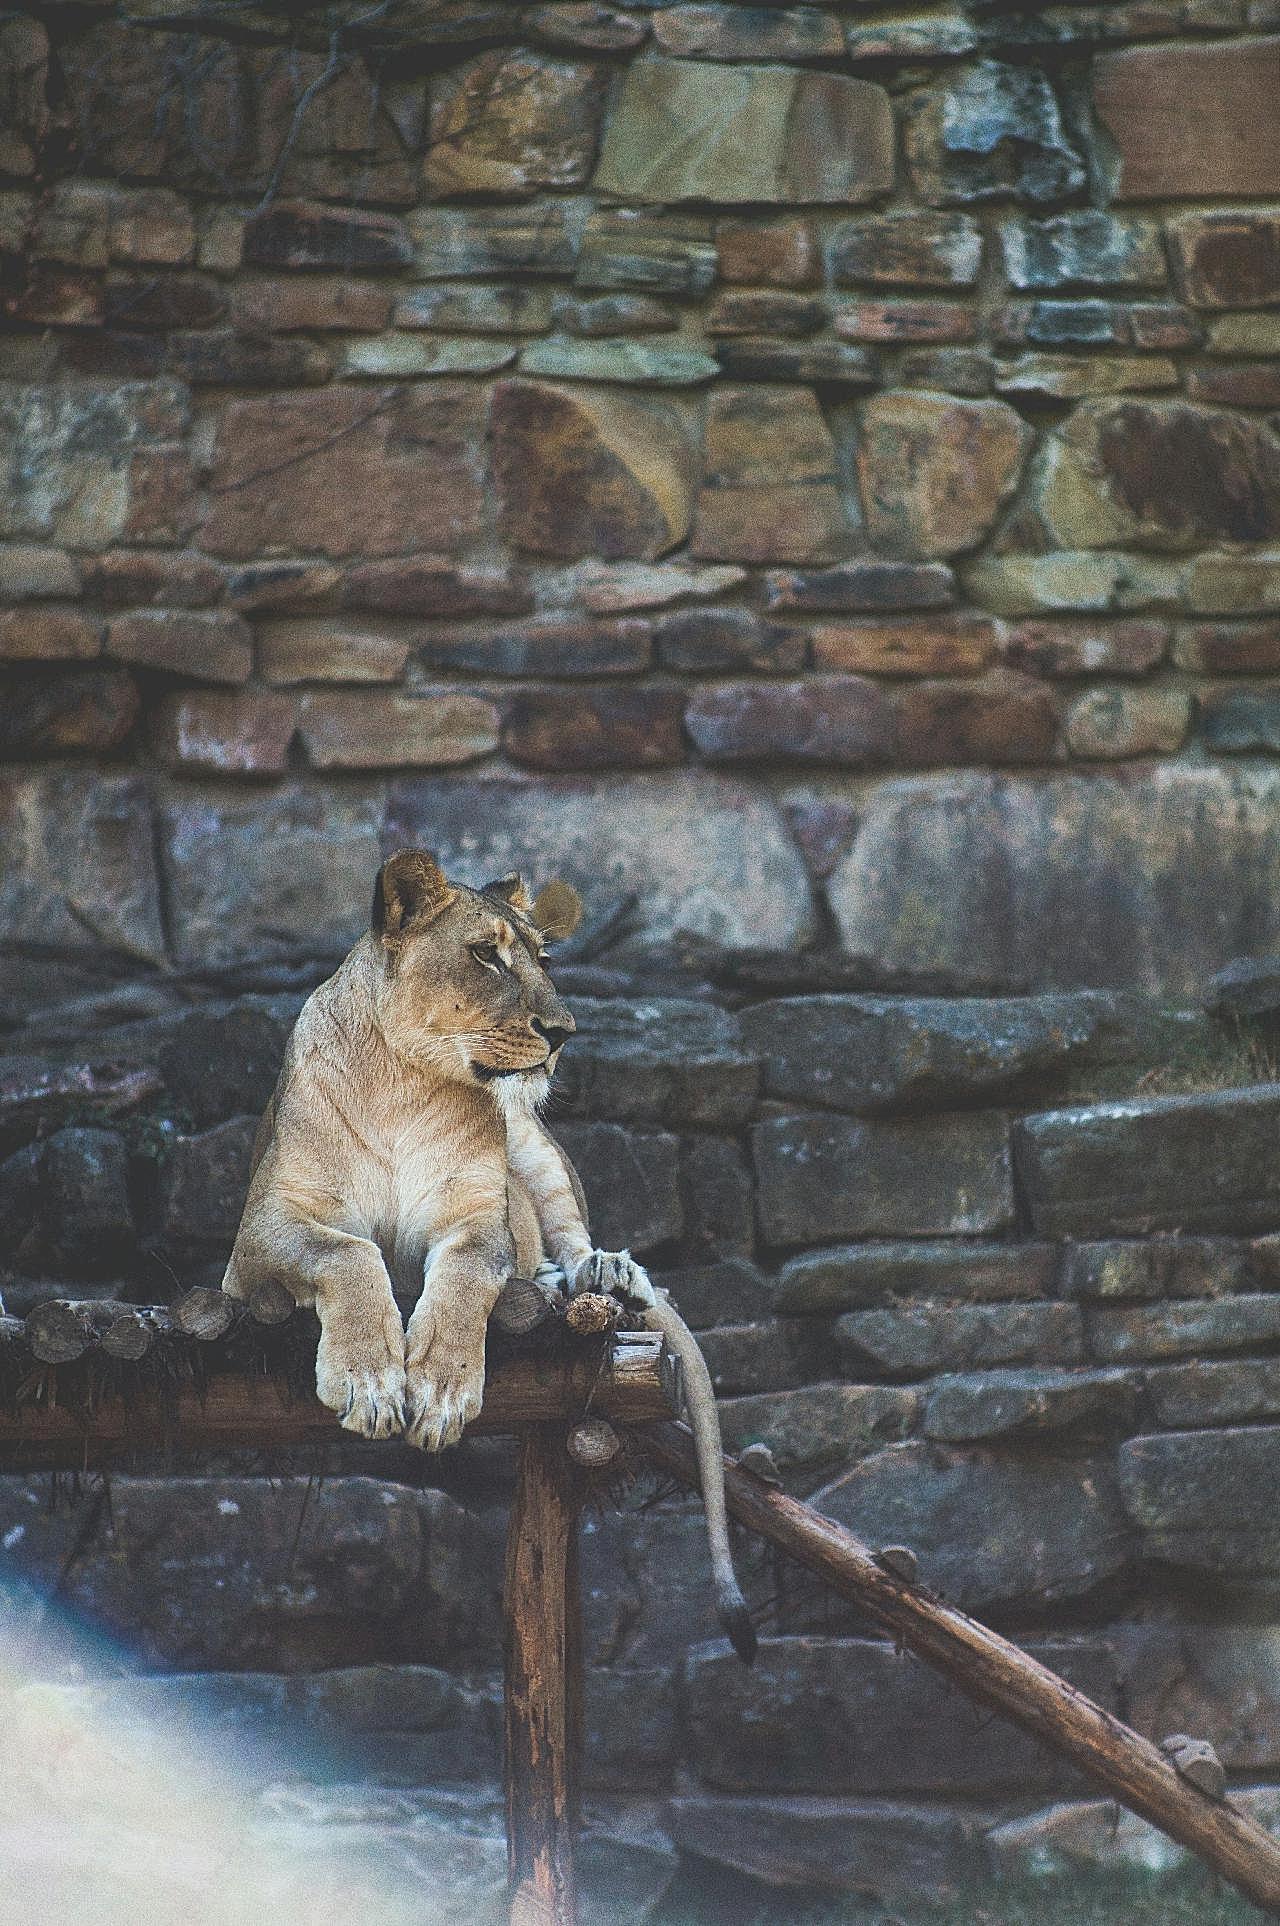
[402, 1150]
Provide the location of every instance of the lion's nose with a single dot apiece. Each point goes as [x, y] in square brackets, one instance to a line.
[555, 1033]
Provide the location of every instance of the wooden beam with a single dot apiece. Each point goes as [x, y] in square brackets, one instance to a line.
[997, 1674]
[542, 1690]
[627, 1381]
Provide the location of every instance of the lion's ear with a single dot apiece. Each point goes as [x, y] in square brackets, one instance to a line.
[411, 888]
[511, 889]
[557, 910]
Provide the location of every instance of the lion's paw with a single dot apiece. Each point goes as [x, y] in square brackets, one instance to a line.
[444, 1389]
[614, 1274]
[364, 1384]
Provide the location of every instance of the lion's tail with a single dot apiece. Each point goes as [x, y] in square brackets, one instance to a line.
[704, 1422]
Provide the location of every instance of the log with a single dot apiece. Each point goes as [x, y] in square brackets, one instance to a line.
[64, 1328]
[541, 1604]
[521, 1308]
[626, 1384]
[133, 1330]
[997, 1674]
[202, 1313]
[271, 1302]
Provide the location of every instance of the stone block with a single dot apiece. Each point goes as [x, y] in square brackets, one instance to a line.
[1191, 120]
[329, 649]
[631, 251]
[203, 1185]
[837, 1715]
[657, 364]
[142, 578]
[548, 645]
[1088, 249]
[1228, 258]
[1103, 723]
[840, 719]
[78, 452]
[759, 1357]
[817, 137]
[990, 1528]
[285, 870]
[1159, 1163]
[1008, 719]
[1201, 1499]
[935, 472]
[813, 1430]
[632, 1181]
[77, 863]
[975, 1408]
[1218, 1681]
[776, 252]
[217, 647]
[772, 490]
[864, 586]
[579, 472]
[721, 33]
[1238, 721]
[1070, 377]
[829, 364]
[1121, 1333]
[991, 132]
[758, 311]
[73, 711]
[1078, 580]
[721, 1292]
[613, 314]
[715, 1185]
[727, 638]
[511, 122]
[48, 632]
[85, 1211]
[1234, 584]
[24, 63]
[701, 852]
[536, 239]
[1085, 648]
[827, 1177]
[240, 733]
[916, 1340]
[896, 321]
[1226, 1391]
[956, 645]
[850, 1276]
[1248, 384]
[907, 250]
[381, 729]
[664, 1060]
[578, 730]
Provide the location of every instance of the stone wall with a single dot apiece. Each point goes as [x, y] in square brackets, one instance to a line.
[990, 1277]
[810, 467]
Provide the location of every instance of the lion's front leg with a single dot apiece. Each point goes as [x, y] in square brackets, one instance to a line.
[444, 1342]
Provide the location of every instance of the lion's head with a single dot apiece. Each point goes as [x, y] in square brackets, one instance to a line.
[465, 981]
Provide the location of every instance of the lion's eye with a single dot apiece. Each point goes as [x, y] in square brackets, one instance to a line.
[486, 953]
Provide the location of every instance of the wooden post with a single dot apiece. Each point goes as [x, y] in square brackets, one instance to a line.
[543, 1687]
[996, 1673]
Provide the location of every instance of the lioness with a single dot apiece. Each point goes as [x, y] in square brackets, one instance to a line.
[403, 1142]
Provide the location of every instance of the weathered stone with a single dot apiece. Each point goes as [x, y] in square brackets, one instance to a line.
[907, 250]
[378, 729]
[1069, 377]
[203, 1185]
[1080, 580]
[676, 134]
[48, 632]
[369, 473]
[68, 712]
[449, 241]
[328, 649]
[653, 363]
[31, 571]
[1085, 648]
[732, 638]
[811, 1430]
[989, 1528]
[993, 132]
[1087, 1836]
[1068, 324]
[150, 227]
[84, 1202]
[857, 1715]
[1192, 1163]
[1228, 259]
[396, 355]
[1008, 719]
[867, 586]
[702, 853]
[24, 60]
[895, 321]
[728, 33]
[242, 734]
[1218, 1681]
[586, 23]
[1248, 384]
[956, 371]
[823, 719]
[431, 585]
[77, 869]
[776, 253]
[1021, 1404]
[548, 645]
[613, 314]
[1240, 721]
[830, 363]
[716, 1192]
[1201, 1498]
[1106, 723]
[1247, 987]
[772, 490]
[580, 473]
[215, 1060]
[1111, 1270]
[718, 1292]
[925, 36]
[134, 578]
[216, 647]
[632, 1183]
[74, 455]
[281, 871]
[664, 1060]
[510, 122]
[660, 253]
[827, 1177]
[872, 1053]
[756, 1358]
[1219, 477]
[1234, 584]
[1184, 1397]
[467, 308]
[1122, 1333]
[916, 1852]
[1088, 249]
[620, 728]
[958, 645]
[935, 472]
[1191, 120]
[950, 874]
[915, 1340]
[607, 589]
[845, 1278]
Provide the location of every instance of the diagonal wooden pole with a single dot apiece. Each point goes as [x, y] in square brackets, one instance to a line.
[997, 1674]
[542, 1685]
